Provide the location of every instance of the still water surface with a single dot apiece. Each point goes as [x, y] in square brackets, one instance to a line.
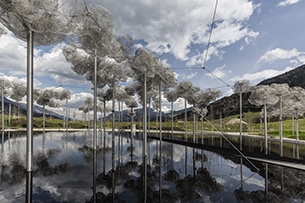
[64, 164]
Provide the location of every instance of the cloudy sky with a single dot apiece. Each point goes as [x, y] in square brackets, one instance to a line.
[251, 40]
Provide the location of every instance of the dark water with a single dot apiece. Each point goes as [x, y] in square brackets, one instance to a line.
[64, 172]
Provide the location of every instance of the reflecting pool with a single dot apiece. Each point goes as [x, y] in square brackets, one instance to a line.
[67, 169]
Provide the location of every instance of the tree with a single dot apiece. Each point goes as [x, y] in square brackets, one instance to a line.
[18, 92]
[240, 87]
[263, 95]
[45, 98]
[172, 96]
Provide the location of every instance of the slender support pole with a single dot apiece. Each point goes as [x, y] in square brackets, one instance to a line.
[113, 141]
[185, 120]
[66, 116]
[145, 139]
[265, 129]
[297, 125]
[94, 127]
[29, 139]
[2, 105]
[160, 145]
[281, 127]
[94, 103]
[44, 118]
[240, 121]
[172, 112]
[9, 114]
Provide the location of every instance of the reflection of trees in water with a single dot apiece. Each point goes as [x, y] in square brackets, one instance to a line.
[284, 184]
[13, 172]
[192, 188]
[42, 161]
[88, 152]
[187, 189]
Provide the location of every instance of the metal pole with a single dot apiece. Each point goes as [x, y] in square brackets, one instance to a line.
[281, 126]
[94, 103]
[265, 129]
[66, 116]
[240, 120]
[160, 145]
[297, 125]
[29, 139]
[145, 139]
[2, 105]
[172, 107]
[94, 126]
[185, 120]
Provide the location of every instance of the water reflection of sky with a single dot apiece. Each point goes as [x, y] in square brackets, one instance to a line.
[63, 168]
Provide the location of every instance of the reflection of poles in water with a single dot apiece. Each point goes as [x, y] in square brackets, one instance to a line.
[29, 140]
[266, 182]
[1, 156]
[94, 175]
[185, 120]
[43, 141]
[104, 138]
[282, 178]
[160, 145]
[2, 140]
[185, 161]
[241, 173]
[9, 139]
[145, 178]
[160, 170]
[194, 161]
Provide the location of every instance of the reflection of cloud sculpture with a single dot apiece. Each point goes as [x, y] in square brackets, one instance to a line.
[42, 17]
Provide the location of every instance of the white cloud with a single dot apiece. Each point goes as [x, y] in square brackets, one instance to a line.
[173, 26]
[288, 2]
[279, 53]
[262, 75]
[218, 72]
[12, 55]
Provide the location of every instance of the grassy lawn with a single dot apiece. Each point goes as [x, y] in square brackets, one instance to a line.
[253, 125]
